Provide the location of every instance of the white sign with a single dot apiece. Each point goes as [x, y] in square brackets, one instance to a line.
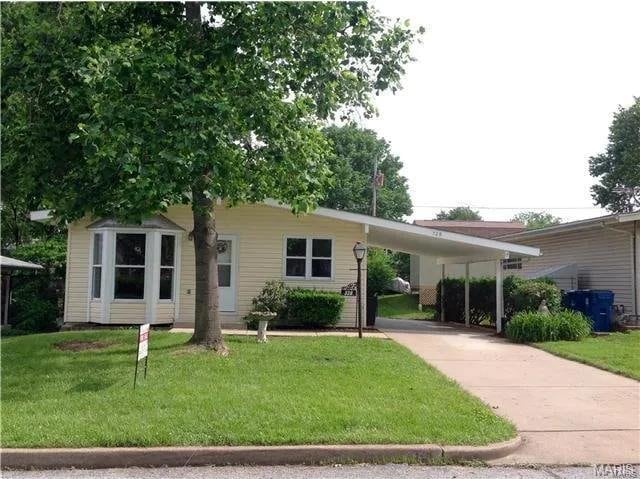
[143, 342]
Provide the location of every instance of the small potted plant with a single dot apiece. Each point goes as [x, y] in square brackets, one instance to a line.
[262, 318]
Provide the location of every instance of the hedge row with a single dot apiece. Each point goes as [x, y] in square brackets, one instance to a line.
[519, 295]
[297, 307]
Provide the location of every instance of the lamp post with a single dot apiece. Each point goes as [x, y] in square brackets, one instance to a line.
[359, 251]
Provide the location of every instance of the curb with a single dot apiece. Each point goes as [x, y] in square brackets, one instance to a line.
[104, 458]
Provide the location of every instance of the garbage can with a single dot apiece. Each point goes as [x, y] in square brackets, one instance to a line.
[596, 304]
[600, 309]
[372, 310]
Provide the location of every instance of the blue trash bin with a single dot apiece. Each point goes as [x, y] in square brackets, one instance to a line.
[596, 304]
[600, 309]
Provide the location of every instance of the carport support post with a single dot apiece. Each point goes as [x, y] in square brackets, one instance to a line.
[442, 294]
[499, 297]
[467, 320]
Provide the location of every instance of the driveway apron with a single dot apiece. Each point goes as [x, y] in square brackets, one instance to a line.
[566, 412]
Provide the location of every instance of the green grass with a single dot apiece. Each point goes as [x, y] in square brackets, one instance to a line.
[617, 352]
[304, 390]
[403, 306]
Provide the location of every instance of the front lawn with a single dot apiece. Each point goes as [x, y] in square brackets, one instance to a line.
[303, 390]
[616, 352]
[403, 306]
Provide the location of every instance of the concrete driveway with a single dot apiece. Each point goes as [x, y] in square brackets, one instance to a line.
[567, 412]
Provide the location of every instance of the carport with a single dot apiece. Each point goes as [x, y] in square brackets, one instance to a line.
[447, 247]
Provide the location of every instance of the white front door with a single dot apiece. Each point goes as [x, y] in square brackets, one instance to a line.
[227, 254]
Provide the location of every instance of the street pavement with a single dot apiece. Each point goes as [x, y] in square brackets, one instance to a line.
[388, 471]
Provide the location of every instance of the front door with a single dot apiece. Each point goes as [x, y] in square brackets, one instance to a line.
[227, 246]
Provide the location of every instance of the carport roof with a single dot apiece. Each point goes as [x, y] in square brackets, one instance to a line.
[446, 246]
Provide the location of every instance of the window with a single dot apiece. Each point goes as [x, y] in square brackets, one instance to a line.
[512, 263]
[308, 258]
[321, 258]
[96, 267]
[224, 263]
[130, 266]
[167, 265]
[296, 257]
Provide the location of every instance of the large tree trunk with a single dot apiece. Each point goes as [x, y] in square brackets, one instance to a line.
[208, 330]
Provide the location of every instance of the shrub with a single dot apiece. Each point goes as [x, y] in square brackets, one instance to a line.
[380, 272]
[519, 295]
[38, 296]
[312, 308]
[482, 299]
[272, 298]
[533, 327]
[526, 295]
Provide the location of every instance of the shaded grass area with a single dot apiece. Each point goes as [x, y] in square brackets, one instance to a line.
[329, 390]
[403, 306]
[616, 352]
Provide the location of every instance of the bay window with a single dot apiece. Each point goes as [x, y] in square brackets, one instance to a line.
[308, 258]
[134, 263]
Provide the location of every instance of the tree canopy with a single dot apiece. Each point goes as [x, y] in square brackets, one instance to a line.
[619, 165]
[356, 150]
[534, 220]
[464, 213]
[123, 109]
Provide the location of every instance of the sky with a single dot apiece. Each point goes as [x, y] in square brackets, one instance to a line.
[508, 99]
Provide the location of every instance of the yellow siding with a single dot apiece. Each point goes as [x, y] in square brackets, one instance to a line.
[95, 312]
[165, 312]
[77, 272]
[260, 231]
[128, 313]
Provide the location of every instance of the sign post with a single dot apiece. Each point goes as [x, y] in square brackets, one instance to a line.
[143, 351]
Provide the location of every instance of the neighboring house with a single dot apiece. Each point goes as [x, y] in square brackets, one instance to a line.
[7, 267]
[424, 270]
[132, 274]
[597, 253]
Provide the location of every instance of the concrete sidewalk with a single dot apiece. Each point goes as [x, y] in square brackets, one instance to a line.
[566, 412]
[367, 333]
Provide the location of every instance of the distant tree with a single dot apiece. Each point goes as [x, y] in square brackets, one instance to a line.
[534, 220]
[380, 271]
[355, 152]
[619, 165]
[464, 213]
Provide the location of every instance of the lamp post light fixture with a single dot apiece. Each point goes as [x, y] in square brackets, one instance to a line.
[359, 250]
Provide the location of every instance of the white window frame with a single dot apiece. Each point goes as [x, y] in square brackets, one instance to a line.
[93, 265]
[145, 267]
[153, 237]
[512, 264]
[308, 258]
[174, 280]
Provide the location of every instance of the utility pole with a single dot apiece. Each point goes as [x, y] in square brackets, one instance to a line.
[378, 182]
[374, 187]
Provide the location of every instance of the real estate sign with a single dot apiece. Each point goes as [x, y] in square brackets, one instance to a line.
[143, 342]
[143, 351]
